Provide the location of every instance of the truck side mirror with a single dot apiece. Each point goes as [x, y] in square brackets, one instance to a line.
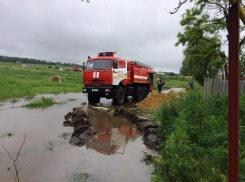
[83, 66]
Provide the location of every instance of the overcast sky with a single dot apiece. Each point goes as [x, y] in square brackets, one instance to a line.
[71, 30]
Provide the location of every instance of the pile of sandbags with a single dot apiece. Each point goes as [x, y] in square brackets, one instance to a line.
[83, 131]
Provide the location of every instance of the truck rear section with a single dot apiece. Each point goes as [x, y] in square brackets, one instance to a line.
[115, 78]
[76, 68]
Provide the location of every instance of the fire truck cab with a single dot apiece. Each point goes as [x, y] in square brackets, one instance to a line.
[115, 78]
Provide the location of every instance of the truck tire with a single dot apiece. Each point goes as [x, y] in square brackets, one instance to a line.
[93, 99]
[119, 96]
[139, 94]
[145, 92]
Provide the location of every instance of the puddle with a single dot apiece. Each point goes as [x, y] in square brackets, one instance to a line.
[174, 89]
[114, 154]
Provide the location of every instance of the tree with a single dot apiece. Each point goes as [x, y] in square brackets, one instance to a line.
[183, 70]
[19, 60]
[202, 60]
[206, 23]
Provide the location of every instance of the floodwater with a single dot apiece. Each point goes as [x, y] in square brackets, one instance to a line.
[113, 155]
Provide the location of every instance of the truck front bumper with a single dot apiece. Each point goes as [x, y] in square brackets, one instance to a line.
[97, 89]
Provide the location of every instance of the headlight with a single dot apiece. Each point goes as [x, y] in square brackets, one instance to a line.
[84, 90]
[107, 90]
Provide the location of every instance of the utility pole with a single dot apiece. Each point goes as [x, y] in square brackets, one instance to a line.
[233, 90]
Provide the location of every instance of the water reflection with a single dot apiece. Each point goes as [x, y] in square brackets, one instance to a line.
[113, 133]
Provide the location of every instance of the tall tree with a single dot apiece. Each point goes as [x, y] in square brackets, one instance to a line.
[202, 60]
[206, 23]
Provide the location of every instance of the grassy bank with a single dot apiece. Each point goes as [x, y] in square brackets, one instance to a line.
[19, 81]
[195, 147]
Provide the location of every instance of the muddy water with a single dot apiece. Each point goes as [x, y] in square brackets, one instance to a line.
[174, 89]
[113, 155]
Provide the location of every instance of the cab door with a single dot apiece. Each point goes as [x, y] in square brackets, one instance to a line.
[119, 71]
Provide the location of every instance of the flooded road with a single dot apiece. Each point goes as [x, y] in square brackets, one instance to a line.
[113, 155]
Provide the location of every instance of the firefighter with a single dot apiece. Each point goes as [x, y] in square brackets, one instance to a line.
[191, 84]
[160, 84]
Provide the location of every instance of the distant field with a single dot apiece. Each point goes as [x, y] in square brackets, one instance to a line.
[175, 81]
[19, 81]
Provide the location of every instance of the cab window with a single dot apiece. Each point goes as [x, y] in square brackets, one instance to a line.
[115, 65]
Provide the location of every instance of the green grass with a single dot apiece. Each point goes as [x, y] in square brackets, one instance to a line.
[71, 99]
[18, 81]
[9, 134]
[175, 81]
[43, 102]
[14, 100]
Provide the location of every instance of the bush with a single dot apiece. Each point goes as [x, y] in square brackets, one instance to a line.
[196, 143]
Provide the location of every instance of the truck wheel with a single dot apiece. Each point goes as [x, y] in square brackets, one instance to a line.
[93, 99]
[145, 92]
[139, 93]
[119, 96]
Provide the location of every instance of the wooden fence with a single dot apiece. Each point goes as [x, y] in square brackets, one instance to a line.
[212, 86]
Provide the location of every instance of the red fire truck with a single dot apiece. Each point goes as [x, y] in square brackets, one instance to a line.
[115, 78]
[76, 68]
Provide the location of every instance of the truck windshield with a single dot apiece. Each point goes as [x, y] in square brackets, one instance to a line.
[99, 64]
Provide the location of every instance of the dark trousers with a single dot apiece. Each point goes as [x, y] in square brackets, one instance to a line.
[159, 88]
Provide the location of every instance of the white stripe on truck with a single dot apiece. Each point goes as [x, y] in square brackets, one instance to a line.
[96, 74]
[140, 77]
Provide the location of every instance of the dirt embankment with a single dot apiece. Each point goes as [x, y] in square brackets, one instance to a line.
[155, 100]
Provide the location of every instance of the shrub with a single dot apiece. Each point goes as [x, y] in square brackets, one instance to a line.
[196, 146]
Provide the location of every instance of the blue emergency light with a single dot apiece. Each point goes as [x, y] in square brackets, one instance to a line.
[108, 54]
